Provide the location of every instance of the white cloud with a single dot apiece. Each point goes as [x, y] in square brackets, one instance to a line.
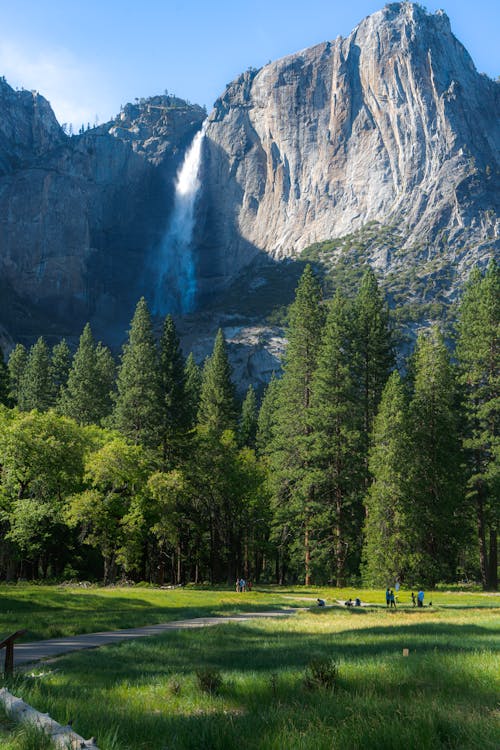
[73, 89]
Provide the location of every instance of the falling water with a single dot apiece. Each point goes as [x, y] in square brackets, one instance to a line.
[176, 281]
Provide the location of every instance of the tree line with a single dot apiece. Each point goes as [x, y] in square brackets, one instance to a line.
[348, 470]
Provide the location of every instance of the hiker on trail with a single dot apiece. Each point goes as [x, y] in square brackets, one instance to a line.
[237, 585]
[392, 599]
[387, 596]
[348, 603]
[242, 584]
[357, 602]
[413, 600]
[321, 602]
[420, 598]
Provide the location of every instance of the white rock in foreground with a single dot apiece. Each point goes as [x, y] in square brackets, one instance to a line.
[63, 737]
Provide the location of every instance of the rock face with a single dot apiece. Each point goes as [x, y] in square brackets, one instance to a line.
[392, 124]
[386, 144]
[79, 215]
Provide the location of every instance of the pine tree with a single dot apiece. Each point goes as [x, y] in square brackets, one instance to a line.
[173, 393]
[477, 353]
[335, 421]
[387, 532]
[137, 412]
[16, 366]
[35, 385]
[435, 484]
[192, 389]
[60, 365]
[266, 420]
[4, 381]
[290, 449]
[217, 409]
[82, 398]
[247, 430]
[374, 355]
[106, 373]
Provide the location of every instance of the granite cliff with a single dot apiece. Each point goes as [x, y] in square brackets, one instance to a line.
[78, 214]
[392, 124]
[382, 147]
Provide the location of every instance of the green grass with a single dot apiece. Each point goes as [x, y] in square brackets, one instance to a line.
[145, 694]
[54, 611]
[22, 737]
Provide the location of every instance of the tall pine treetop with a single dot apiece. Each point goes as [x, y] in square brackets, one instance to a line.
[137, 414]
[248, 419]
[305, 323]
[217, 410]
[35, 386]
[18, 360]
[192, 389]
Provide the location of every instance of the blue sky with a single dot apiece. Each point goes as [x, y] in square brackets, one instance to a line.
[90, 57]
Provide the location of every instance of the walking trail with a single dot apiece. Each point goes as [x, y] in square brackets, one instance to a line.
[27, 653]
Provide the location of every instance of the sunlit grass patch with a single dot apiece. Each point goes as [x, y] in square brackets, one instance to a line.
[442, 695]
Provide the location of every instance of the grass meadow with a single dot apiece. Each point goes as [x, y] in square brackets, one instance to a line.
[323, 678]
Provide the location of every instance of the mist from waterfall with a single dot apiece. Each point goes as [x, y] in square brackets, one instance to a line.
[175, 290]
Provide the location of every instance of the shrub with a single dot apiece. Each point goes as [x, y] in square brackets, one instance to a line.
[175, 687]
[321, 673]
[209, 680]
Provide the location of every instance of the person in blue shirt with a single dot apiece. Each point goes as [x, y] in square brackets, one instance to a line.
[420, 598]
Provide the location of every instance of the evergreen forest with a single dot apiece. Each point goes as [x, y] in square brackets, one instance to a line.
[348, 470]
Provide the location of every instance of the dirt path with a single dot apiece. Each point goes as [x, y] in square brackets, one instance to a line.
[28, 653]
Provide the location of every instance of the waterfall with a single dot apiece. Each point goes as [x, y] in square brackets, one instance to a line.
[176, 273]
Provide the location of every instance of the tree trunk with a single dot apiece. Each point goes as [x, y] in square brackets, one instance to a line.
[339, 547]
[246, 566]
[307, 552]
[481, 530]
[179, 563]
[493, 561]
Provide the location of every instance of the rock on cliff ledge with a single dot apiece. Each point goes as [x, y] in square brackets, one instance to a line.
[392, 124]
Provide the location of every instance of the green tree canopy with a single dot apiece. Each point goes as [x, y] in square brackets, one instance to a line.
[42, 464]
[137, 412]
[86, 396]
[290, 449]
[478, 345]
[192, 388]
[335, 420]
[35, 391]
[16, 366]
[247, 428]
[217, 409]
[4, 380]
[60, 365]
[108, 512]
[175, 422]
[388, 533]
[435, 507]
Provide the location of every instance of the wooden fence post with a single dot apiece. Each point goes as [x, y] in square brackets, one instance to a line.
[8, 645]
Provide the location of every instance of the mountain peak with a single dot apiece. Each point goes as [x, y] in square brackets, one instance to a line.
[391, 124]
